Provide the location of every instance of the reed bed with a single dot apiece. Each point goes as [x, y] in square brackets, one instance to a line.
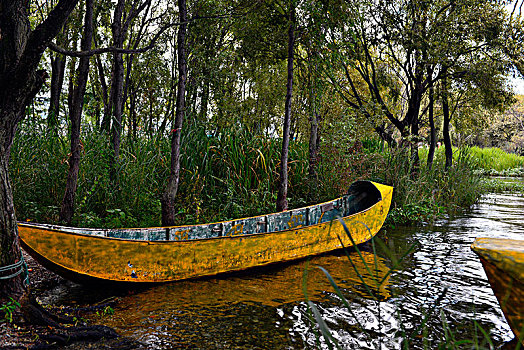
[228, 175]
[225, 176]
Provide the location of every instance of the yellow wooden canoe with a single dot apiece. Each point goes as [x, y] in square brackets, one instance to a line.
[164, 254]
[503, 261]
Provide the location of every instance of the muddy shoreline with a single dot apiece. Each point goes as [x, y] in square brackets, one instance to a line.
[79, 335]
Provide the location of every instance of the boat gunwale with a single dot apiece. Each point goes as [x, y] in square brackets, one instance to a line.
[37, 226]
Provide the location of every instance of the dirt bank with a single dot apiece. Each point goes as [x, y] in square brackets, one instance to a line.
[78, 335]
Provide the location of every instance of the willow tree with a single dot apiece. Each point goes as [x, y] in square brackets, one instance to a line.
[20, 52]
[514, 36]
[398, 50]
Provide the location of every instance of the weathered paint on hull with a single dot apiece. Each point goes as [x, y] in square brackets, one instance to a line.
[80, 256]
[503, 261]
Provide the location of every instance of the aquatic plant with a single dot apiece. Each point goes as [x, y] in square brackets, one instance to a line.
[498, 186]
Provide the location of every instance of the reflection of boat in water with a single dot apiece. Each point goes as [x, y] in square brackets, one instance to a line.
[503, 261]
[283, 286]
[174, 253]
[271, 287]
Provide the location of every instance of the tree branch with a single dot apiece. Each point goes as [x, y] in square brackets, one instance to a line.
[98, 51]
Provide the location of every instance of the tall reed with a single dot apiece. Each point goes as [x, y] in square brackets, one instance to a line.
[224, 176]
[425, 194]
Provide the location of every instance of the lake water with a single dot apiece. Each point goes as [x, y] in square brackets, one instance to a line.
[440, 284]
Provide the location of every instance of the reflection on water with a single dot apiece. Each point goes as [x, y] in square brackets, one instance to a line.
[266, 309]
[247, 311]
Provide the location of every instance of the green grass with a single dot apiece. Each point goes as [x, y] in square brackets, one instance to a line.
[488, 161]
[495, 159]
[223, 177]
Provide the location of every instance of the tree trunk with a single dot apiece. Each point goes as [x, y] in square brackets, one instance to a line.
[385, 135]
[20, 52]
[77, 103]
[57, 81]
[134, 119]
[105, 125]
[169, 112]
[314, 145]
[10, 252]
[445, 129]
[205, 96]
[58, 62]
[71, 83]
[432, 131]
[117, 85]
[415, 159]
[168, 197]
[282, 203]
[121, 22]
[412, 117]
[314, 121]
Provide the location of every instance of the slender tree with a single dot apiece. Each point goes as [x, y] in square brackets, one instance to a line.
[122, 20]
[117, 86]
[58, 62]
[75, 115]
[168, 197]
[282, 203]
[444, 95]
[313, 95]
[432, 129]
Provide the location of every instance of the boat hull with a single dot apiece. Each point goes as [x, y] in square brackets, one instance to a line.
[82, 257]
[503, 262]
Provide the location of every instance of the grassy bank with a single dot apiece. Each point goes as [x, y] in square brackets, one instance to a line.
[228, 176]
[489, 161]
[497, 161]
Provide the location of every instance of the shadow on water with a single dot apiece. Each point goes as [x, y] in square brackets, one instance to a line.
[266, 309]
